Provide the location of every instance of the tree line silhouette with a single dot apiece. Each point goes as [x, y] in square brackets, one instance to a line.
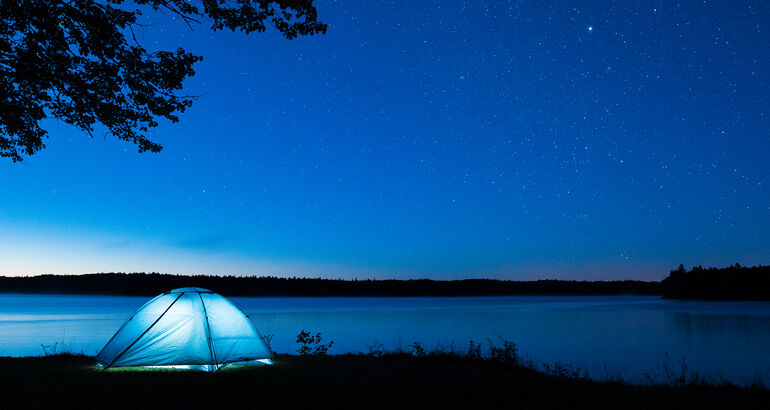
[156, 283]
[735, 282]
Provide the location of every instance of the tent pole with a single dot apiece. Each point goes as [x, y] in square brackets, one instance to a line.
[208, 333]
[132, 318]
[248, 318]
[145, 331]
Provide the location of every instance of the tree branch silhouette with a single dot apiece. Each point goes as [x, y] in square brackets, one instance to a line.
[72, 61]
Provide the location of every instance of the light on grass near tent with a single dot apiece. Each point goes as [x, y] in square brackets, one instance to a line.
[186, 328]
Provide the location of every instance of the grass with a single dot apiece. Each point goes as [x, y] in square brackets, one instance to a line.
[401, 381]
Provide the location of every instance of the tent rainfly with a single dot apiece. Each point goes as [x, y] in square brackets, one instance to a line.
[189, 328]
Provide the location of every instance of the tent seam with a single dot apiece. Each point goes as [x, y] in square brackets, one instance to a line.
[143, 333]
[210, 339]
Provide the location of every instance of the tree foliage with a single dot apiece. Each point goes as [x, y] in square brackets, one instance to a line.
[734, 282]
[78, 61]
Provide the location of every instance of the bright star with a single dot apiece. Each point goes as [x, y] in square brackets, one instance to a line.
[590, 28]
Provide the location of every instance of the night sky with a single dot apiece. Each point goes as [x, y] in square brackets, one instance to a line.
[515, 140]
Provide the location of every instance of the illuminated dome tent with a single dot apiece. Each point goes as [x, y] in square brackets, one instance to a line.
[190, 328]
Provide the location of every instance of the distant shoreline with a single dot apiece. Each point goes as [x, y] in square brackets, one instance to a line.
[731, 283]
[150, 284]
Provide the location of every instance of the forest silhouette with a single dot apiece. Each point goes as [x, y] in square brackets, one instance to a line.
[155, 283]
[731, 283]
[734, 282]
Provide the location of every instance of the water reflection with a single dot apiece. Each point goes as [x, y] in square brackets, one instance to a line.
[630, 335]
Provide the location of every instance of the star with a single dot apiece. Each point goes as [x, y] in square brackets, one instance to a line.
[590, 28]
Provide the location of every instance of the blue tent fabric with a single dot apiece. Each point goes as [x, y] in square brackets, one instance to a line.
[189, 328]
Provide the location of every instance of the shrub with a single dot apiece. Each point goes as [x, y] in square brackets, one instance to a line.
[474, 350]
[376, 350]
[564, 370]
[311, 345]
[55, 349]
[506, 353]
[417, 349]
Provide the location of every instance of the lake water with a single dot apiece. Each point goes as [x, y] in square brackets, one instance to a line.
[607, 335]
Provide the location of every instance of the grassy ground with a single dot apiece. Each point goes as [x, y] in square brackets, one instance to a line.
[344, 382]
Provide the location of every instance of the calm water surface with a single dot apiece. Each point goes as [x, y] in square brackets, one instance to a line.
[630, 335]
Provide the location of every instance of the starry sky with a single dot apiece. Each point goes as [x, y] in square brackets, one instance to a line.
[504, 139]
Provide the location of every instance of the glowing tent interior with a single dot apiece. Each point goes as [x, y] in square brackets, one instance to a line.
[191, 328]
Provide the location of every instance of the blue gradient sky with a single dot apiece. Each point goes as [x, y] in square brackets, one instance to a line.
[582, 140]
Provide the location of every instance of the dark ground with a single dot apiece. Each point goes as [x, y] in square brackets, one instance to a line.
[346, 382]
